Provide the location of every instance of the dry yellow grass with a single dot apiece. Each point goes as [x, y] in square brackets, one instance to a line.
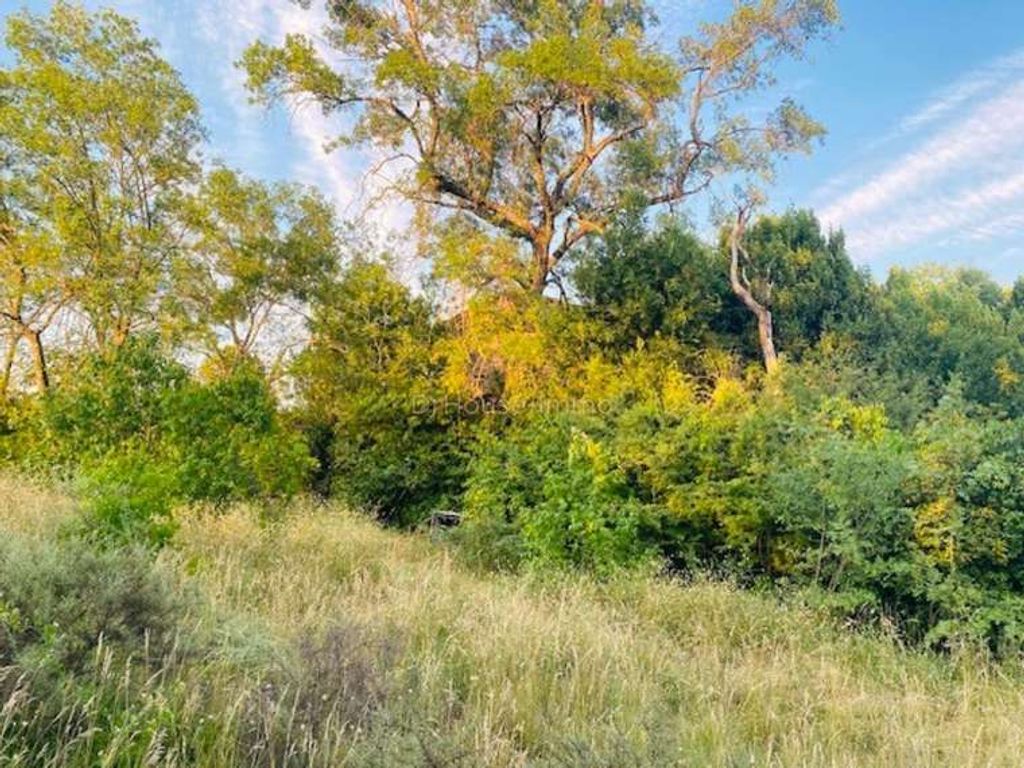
[470, 670]
[643, 669]
[32, 508]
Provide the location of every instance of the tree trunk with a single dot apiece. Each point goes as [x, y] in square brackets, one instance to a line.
[741, 287]
[42, 375]
[540, 266]
[8, 364]
[766, 338]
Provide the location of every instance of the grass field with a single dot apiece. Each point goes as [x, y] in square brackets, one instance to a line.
[323, 640]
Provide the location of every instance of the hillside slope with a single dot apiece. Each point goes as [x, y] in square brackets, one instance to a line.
[321, 639]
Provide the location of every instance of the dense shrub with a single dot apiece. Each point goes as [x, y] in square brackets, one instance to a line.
[129, 496]
[819, 493]
[968, 526]
[104, 401]
[933, 325]
[547, 492]
[226, 440]
[60, 600]
[143, 435]
[641, 284]
[387, 435]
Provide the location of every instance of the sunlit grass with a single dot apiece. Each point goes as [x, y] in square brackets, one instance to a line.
[324, 640]
[32, 508]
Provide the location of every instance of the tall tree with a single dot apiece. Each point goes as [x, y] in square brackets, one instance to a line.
[541, 119]
[756, 292]
[30, 284]
[644, 282]
[103, 135]
[254, 248]
[796, 280]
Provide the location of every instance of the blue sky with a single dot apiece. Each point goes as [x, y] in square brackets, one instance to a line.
[923, 100]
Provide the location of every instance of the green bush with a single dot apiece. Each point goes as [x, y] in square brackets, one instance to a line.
[924, 531]
[842, 522]
[226, 441]
[588, 515]
[101, 403]
[128, 496]
[546, 492]
[968, 526]
[396, 458]
[143, 436]
[86, 635]
[60, 600]
[388, 438]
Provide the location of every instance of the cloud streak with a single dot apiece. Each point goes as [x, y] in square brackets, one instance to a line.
[229, 28]
[345, 177]
[993, 128]
[962, 90]
[955, 177]
[1007, 224]
[971, 209]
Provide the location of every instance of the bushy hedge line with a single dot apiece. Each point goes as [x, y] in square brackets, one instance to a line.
[140, 435]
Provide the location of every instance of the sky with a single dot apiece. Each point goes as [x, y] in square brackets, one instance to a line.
[923, 101]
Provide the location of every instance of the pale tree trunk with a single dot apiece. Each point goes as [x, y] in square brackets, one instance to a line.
[766, 338]
[42, 374]
[8, 363]
[741, 287]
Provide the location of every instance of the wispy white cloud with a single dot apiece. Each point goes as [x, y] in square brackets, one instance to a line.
[945, 102]
[961, 180]
[1002, 225]
[232, 27]
[962, 90]
[957, 95]
[226, 30]
[896, 206]
[969, 210]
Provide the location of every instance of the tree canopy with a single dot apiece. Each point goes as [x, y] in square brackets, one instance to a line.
[540, 120]
[100, 139]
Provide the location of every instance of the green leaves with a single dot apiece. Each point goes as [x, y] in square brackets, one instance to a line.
[541, 120]
[792, 129]
[559, 491]
[388, 436]
[254, 248]
[614, 68]
[645, 284]
[402, 67]
[145, 437]
[293, 68]
[102, 137]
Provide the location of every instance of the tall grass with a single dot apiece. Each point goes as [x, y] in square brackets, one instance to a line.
[29, 507]
[323, 640]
